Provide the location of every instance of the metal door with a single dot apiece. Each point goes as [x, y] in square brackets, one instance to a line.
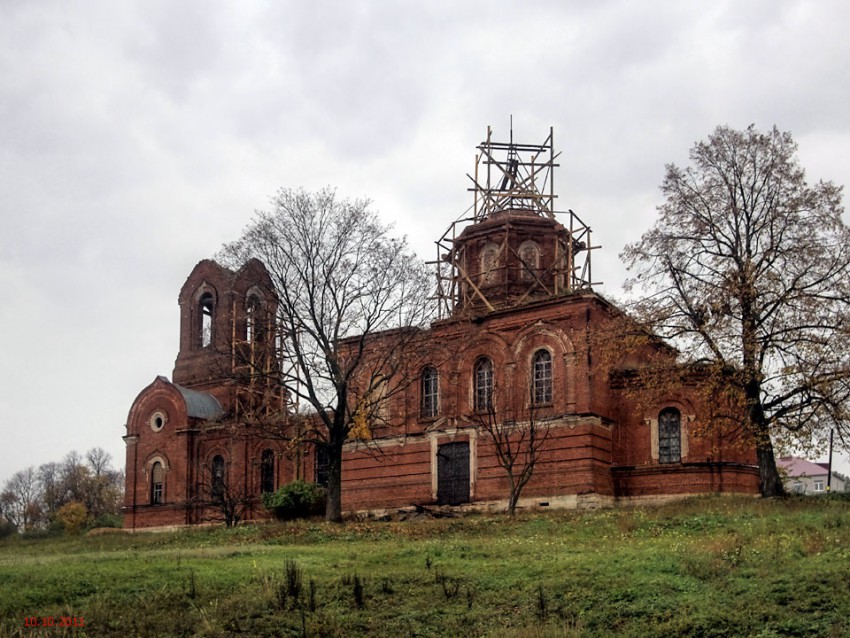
[453, 474]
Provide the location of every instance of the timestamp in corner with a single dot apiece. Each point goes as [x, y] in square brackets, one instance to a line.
[52, 625]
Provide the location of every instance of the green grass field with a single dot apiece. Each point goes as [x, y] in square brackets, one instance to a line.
[703, 567]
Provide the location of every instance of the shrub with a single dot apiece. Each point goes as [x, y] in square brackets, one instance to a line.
[7, 528]
[297, 499]
[72, 516]
[294, 578]
[108, 520]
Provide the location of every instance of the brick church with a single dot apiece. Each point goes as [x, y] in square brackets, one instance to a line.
[515, 343]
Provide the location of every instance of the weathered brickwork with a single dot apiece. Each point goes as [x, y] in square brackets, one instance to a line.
[185, 424]
[547, 362]
[599, 441]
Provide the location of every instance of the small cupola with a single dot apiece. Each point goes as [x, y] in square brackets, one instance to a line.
[513, 250]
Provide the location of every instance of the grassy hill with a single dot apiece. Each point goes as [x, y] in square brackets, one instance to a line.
[703, 567]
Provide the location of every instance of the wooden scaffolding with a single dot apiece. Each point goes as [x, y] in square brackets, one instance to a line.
[511, 182]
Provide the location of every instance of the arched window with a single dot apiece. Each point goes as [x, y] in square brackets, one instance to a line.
[267, 471]
[217, 477]
[529, 255]
[253, 324]
[430, 392]
[541, 377]
[483, 384]
[669, 436]
[322, 468]
[489, 263]
[206, 308]
[157, 483]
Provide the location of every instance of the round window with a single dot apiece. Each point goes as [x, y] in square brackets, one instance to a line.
[157, 420]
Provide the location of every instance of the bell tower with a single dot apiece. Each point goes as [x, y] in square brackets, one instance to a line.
[515, 250]
[229, 345]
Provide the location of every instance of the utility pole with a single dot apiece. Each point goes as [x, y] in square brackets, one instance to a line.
[829, 471]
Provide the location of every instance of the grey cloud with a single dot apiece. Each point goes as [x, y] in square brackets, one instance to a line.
[139, 136]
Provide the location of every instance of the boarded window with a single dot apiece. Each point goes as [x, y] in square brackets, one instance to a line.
[541, 377]
[489, 263]
[157, 482]
[483, 382]
[453, 473]
[669, 436]
[529, 255]
[267, 471]
[430, 393]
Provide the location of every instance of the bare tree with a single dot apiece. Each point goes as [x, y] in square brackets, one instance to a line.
[20, 499]
[75, 477]
[8, 509]
[33, 497]
[518, 444]
[99, 460]
[103, 485]
[94, 484]
[225, 500]
[52, 489]
[342, 282]
[219, 494]
[748, 269]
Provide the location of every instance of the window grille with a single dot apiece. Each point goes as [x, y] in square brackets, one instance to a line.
[669, 436]
[483, 385]
[267, 471]
[322, 466]
[430, 392]
[156, 484]
[541, 379]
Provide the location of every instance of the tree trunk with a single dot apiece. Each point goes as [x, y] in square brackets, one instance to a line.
[514, 497]
[333, 508]
[770, 484]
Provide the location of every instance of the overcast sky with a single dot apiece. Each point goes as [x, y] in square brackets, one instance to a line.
[137, 137]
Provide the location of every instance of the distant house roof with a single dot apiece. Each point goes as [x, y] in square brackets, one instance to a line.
[795, 466]
[200, 405]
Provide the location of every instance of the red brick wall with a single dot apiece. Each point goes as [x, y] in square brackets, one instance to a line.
[211, 368]
[510, 340]
[705, 478]
[576, 460]
[599, 443]
[394, 476]
[608, 430]
[186, 447]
